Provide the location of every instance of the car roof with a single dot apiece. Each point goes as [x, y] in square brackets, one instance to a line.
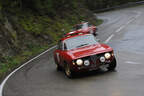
[72, 36]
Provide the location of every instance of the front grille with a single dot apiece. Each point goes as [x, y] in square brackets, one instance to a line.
[94, 58]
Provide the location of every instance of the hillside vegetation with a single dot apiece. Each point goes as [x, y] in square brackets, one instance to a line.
[100, 4]
[28, 27]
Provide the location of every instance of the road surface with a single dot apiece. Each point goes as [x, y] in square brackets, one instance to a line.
[124, 31]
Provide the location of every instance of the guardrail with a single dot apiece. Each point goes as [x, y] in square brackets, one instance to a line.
[129, 4]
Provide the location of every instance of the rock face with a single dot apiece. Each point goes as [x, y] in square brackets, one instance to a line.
[5, 39]
[13, 38]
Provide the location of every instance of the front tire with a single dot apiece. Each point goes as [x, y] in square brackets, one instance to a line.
[68, 71]
[58, 68]
[95, 34]
[112, 65]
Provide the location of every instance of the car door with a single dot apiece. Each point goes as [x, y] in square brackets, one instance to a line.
[58, 53]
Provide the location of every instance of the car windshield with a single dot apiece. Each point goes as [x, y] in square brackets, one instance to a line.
[80, 41]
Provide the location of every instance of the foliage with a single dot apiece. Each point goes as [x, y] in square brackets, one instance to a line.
[99, 4]
[11, 62]
[51, 7]
[42, 6]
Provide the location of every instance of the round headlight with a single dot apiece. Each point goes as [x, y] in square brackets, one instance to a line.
[107, 55]
[102, 59]
[86, 63]
[79, 62]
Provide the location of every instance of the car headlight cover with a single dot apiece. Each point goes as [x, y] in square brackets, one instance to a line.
[102, 59]
[86, 62]
[107, 55]
[79, 62]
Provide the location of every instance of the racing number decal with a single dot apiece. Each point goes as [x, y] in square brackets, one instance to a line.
[58, 57]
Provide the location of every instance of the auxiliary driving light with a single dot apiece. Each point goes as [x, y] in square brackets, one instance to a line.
[86, 62]
[102, 59]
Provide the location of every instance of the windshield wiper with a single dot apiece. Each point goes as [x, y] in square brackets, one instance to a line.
[81, 45]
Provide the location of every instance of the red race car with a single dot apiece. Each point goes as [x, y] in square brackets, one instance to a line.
[85, 27]
[81, 53]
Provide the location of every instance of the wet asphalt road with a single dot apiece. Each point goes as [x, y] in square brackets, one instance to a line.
[124, 31]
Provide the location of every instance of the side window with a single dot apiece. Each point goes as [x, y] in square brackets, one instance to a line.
[60, 45]
[65, 47]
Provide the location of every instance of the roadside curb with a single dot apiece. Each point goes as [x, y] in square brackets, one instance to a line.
[5, 80]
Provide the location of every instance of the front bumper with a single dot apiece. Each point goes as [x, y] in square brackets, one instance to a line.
[92, 66]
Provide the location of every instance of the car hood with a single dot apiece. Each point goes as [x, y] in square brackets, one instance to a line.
[89, 50]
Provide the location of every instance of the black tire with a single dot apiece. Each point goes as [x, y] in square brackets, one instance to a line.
[95, 34]
[112, 65]
[68, 71]
[58, 68]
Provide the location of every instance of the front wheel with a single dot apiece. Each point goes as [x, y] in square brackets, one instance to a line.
[95, 34]
[68, 71]
[58, 68]
[112, 65]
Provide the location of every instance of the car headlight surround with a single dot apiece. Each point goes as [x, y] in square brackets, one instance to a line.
[107, 55]
[79, 62]
[86, 62]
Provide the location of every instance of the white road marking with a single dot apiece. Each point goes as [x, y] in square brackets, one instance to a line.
[138, 14]
[5, 80]
[123, 26]
[131, 20]
[106, 41]
[118, 30]
[131, 62]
